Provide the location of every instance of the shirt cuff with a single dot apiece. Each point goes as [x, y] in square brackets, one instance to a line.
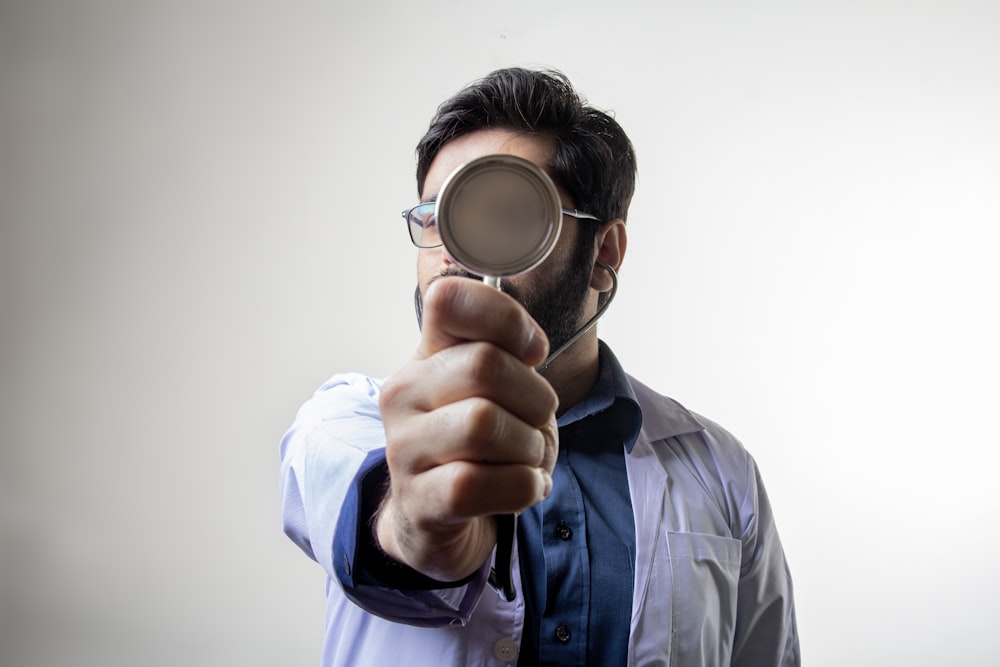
[358, 558]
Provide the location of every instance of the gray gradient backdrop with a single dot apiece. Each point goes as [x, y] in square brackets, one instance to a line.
[200, 223]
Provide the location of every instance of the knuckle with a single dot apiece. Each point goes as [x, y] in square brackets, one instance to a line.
[463, 494]
[482, 419]
[388, 398]
[393, 452]
[486, 365]
[513, 318]
[462, 484]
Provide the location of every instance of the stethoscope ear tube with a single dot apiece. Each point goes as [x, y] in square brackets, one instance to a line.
[591, 322]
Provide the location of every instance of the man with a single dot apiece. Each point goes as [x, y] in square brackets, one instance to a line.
[644, 533]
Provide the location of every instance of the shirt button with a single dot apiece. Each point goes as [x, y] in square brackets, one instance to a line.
[563, 531]
[563, 634]
[505, 650]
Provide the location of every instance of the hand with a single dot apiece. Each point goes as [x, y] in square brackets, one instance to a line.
[470, 430]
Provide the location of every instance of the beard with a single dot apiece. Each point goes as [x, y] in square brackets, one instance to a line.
[557, 303]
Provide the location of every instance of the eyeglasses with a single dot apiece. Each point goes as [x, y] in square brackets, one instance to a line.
[421, 221]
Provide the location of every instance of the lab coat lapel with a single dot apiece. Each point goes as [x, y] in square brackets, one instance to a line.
[650, 608]
[651, 631]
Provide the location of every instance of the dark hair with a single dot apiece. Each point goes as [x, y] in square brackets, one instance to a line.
[594, 159]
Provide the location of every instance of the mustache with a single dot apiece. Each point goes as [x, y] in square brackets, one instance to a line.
[455, 272]
[459, 272]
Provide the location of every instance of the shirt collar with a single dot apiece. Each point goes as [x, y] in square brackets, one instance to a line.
[611, 392]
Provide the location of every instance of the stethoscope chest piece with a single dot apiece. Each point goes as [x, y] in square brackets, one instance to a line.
[499, 215]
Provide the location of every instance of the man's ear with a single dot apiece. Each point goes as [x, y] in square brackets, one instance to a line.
[612, 239]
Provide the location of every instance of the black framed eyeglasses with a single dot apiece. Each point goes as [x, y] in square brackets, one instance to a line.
[421, 222]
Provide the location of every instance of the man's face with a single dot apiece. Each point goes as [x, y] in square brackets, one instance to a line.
[556, 292]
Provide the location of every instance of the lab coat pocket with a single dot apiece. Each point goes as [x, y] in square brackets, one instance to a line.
[705, 572]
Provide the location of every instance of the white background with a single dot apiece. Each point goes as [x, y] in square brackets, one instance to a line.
[200, 206]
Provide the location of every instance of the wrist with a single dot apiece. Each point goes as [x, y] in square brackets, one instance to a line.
[385, 559]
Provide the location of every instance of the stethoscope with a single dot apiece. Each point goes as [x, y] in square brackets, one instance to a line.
[500, 216]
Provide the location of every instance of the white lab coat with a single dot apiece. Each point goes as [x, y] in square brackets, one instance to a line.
[711, 585]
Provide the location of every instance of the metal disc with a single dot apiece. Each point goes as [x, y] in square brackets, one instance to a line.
[499, 215]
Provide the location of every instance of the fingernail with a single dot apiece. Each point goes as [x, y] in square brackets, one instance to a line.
[547, 478]
[537, 346]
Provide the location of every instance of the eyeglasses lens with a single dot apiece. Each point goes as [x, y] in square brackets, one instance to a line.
[423, 226]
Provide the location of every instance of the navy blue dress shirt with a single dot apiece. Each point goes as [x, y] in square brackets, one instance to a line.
[577, 548]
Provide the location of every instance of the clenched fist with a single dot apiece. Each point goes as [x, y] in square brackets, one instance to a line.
[470, 430]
